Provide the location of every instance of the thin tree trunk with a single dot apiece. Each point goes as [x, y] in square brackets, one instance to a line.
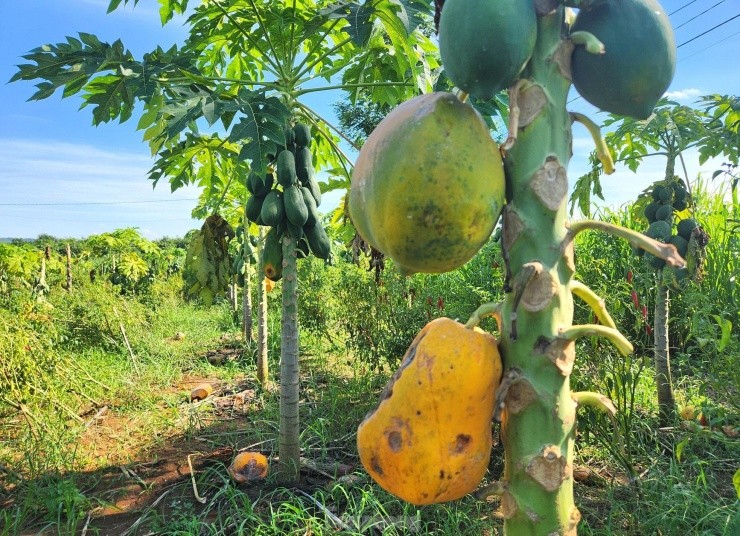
[68, 285]
[234, 294]
[289, 447]
[247, 320]
[262, 364]
[666, 403]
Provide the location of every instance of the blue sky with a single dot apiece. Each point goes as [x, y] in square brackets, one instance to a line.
[62, 176]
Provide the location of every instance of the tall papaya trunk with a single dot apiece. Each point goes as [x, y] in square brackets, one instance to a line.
[666, 403]
[262, 362]
[289, 447]
[661, 349]
[538, 420]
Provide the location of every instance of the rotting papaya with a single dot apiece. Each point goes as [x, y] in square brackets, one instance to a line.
[428, 185]
[272, 254]
[429, 440]
[484, 44]
[639, 57]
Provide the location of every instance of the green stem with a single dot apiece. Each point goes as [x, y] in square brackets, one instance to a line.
[267, 36]
[350, 86]
[485, 310]
[666, 252]
[589, 41]
[595, 330]
[602, 151]
[594, 301]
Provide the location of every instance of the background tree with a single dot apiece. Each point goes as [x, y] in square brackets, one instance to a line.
[243, 73]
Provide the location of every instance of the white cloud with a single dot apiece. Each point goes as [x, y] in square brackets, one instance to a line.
[683, 94]
[49, 179]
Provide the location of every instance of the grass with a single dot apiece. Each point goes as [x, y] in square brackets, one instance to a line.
[127, 472]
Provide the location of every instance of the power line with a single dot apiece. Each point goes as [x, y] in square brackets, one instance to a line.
[710, 46]
[697, 16]
[709, 30]
[680, 8]
[94, 203]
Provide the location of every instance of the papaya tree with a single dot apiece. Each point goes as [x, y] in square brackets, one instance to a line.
[428, 188]
[670, 132]
[244, 74]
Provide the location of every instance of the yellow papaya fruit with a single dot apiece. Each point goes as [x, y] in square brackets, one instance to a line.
[429, 439]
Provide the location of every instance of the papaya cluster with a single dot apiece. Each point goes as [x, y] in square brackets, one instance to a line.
[667, 199]
[286, 200]
[248, 256]
[485, 45]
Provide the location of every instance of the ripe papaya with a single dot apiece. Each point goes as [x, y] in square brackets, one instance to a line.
[429, 440]
[639, 59]
[254, 207]
[302, 134]
[273, 211]
[286, 168]
[428, 185]
[295, 207]
[272, 255]
[484, 44]
[318, 240]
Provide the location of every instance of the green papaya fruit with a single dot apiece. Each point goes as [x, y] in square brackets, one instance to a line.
[295, 207]
[254, 207]
[263, 185]
[654, 262]
[302, 134]
[682, 245]
[679, 205]
[250, 182]
[289, 137]
[664, 212]
[639, 57]
[272, 255]
[315, 190]
[304, 165]
[666, 195]
[659, 230]
[286, 168]
[318, 240]
[657, 191]
[686, 227]
[484, 44]
[313, 211]
[273, 210]
[650, 210]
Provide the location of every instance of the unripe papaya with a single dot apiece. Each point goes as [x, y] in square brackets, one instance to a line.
[650, 211]
[295, 231]
[304, 165]
[428, 185]
[318, 240]
[639, 56]
[313, 211]
[686, 227]
[682, 245]
[273, 211]
[263, 185]
[665, 212]
[272, 254]
[295, 207]
[484, 44]
[302, 134]
[659, 230]
[254, 207]
[429, 440]
[286, 168]
[315, 190]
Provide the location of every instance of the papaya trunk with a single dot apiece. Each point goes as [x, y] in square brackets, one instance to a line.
[666, 403]
[262, 363]
[247, 321]
[538, 420]
[289, 448]
[661, 351]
